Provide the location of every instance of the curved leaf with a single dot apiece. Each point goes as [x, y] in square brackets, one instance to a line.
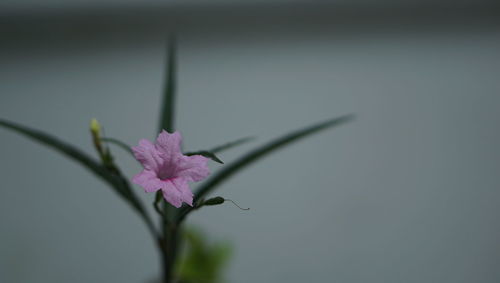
[62, 147]
[264, 150]
[112, 177]
[206, 154]
[231, 144]
[119, 143]
[211, 152]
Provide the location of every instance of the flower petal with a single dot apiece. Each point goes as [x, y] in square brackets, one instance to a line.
[147, 154]
[176, 191]
[186, 195]
[148, 180]
[192, 168]
[169, 145]
[171, 194]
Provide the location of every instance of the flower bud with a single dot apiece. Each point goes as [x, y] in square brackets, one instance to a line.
[95, 130]
[214, 201]
[95, 127]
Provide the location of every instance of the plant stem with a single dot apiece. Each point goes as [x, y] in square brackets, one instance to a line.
[169, 248]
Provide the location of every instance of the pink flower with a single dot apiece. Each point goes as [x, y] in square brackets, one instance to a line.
[167, 169]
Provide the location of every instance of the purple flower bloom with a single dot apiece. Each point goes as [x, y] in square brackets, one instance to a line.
[167, 169]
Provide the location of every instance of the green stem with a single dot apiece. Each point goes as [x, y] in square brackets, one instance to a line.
[169, 250]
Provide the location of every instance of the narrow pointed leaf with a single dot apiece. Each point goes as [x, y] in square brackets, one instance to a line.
[168, 105]
[206, 154]
[62, 147]
[116, 180]
[264, 150]
[231, 144]
[211, 152]
[119, 143]
[74, 154]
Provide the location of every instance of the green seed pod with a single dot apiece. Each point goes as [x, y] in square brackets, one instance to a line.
[214, 201]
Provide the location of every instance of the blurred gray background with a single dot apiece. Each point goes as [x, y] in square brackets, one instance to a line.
[409, 192]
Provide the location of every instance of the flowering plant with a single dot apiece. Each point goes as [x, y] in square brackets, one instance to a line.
[168, 173]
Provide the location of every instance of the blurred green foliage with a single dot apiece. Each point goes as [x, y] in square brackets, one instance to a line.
[202, 261]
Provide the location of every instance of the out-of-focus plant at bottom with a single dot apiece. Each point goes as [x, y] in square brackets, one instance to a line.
[202, 261]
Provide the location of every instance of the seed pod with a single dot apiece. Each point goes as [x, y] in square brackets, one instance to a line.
[214, 201]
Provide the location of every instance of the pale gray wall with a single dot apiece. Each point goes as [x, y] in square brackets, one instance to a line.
[409, 192]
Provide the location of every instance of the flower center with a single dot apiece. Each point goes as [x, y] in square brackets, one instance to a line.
[166, 172]
[164, 175]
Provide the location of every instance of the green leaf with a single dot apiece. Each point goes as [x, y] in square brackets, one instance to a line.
[214, 201]
[231, 144]
[206, 154]
[211, 152]
[231, 169]
[64, 148]
[167, 110]
[202, 261]
[119, 143]
[112, 177]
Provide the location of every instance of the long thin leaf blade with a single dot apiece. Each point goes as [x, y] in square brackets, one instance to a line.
[207, 154]
[211, 152]
[117, 182]
[58, 145]
[264, 150]
[170, 87]
[229, 145]
[69, 151]
[118, 143]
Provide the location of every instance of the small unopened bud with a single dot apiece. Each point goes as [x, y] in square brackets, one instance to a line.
[214, 201]
[95, 130]
[95, 127]
[221, 200]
